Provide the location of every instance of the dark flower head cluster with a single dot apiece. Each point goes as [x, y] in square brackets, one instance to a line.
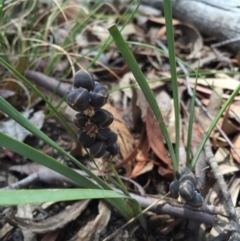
[187, 186]
[87, 97]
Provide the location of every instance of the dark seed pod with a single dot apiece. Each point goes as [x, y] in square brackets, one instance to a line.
[112, 138]
[85, 139]
[182, 171]
[99, 95]
[191, 177]
[78, 99]
[103, 134]
[91, 128]
[102, 118]
[196, 201]
[83, 79]
[80, 120]
[97, 149]
[114, 149]
[186, 190]
[174, 188]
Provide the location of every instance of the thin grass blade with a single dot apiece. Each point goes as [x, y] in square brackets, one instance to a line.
[16, 197]
[139, 76]
[213, 124]
[171, 49]
[190, 126]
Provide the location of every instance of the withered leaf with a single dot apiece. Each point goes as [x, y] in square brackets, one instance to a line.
[93, 228]
[52, 223]
[156, 141]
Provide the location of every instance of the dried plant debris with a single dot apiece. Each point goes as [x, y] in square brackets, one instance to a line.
[55, 222]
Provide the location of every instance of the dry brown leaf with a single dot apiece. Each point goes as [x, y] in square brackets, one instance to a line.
[229, 84]
[225, 161]
[125, 138]
[236, 144]
[93, 228]
[205, 90]
[228, 126]
[5, 229]
[234, 189]
[72, 9]
[25, 212]
[141, 158]
[166, 106]
[51, 236]
[213, 107]
[157, 144]
[162, 20]
[234, 111]
[52, 223]
[221, 154]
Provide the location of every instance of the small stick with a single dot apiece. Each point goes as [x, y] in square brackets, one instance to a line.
[224, 189]
[24, 182]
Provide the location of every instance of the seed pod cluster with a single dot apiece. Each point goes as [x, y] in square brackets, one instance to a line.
[87, 97]
[187, 186]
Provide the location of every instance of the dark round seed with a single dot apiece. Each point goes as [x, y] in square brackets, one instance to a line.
[103, 134]
[102, 118]
[182, 171]
[78, 99]
[97, 149]
[80, 120]
[186, 190]
[114, 149]
[83, 79]
[174, 188]
[191, 177]
[99, 95]
[85, 139]
[196, 201]
[112, 138]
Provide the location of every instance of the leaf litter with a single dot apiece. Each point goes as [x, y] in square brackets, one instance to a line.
[143, 149]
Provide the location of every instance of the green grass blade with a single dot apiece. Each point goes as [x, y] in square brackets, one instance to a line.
[190, 126]
[171, 50]
[16, 197]
[213, 124]
[2, 3]
[139, 76]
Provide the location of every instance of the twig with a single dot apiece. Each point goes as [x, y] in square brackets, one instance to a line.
[47, 82]
[24, 182]
[230, 210]
[206, 213]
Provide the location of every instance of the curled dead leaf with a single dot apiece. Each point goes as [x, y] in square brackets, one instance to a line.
[190, 39]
